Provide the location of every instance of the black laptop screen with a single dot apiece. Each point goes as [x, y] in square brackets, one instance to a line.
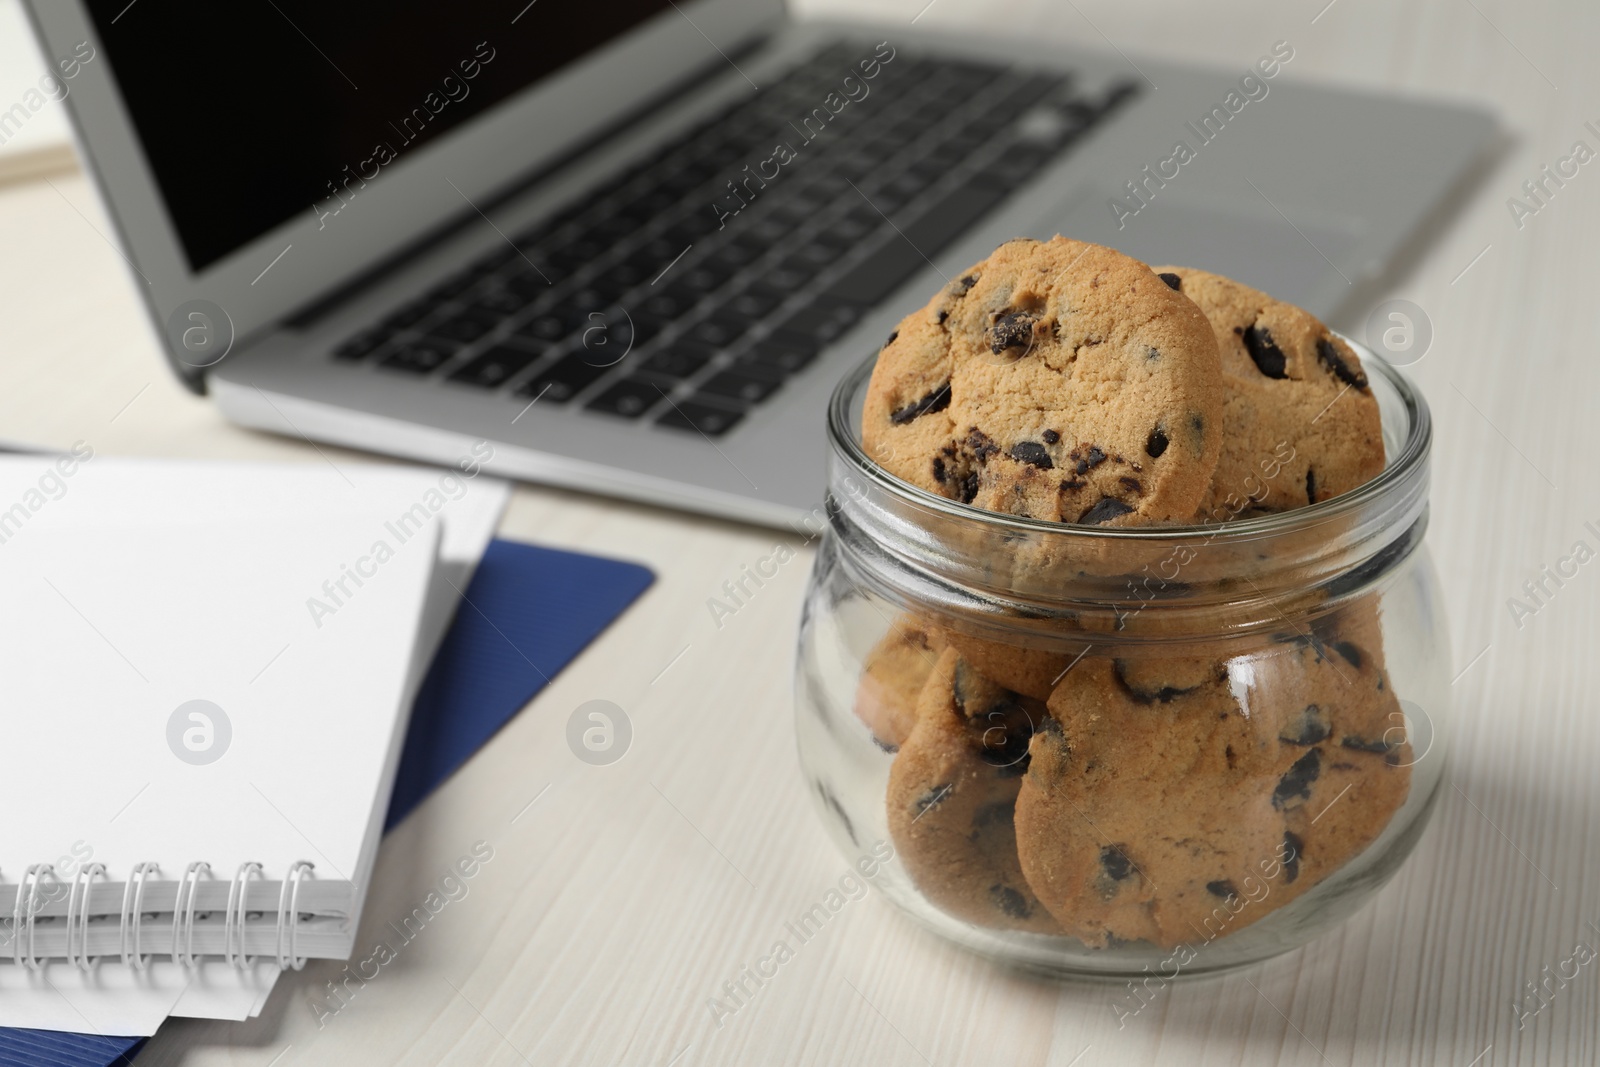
[250, 113]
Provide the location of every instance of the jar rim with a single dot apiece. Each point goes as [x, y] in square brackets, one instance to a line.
[845, 441]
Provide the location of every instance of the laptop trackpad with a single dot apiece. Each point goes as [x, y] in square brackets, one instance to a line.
[1243, 239]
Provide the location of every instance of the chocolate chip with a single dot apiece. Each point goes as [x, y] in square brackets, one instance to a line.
[1012, 330]
[1152, 354]
[1132, 485]
[1306, 727]
[970, 689]
[1010, 901]
[1156, 444]
[1311, 485]
[1108, 509]
[1352, 654]
[1050, 437]
[1291, 863]
[1143, 694]
[1329, 355]
[1296, 781]
[1089, 460]
[954, 471]
[937, 400]
[892, 336]
[943, 314]
[1115, 863]
[1380, 746]
[982, 444]
[932, 798]
[1001, 815]
[1222, 888]
[964, 284]
[998, 726]
[1172, 280]
[1268, 357]
[1031, 452]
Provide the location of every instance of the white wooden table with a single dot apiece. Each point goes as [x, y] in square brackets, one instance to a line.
[625, 896]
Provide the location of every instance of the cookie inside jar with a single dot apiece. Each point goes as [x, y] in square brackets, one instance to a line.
[1168, 797]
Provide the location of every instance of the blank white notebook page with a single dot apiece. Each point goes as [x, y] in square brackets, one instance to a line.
[108, 632]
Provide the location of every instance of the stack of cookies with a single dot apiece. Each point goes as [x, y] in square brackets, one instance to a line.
[1164, 793]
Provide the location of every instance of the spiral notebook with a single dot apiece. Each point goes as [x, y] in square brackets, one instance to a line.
[208, 668]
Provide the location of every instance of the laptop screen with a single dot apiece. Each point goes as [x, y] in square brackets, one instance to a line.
[251, 112]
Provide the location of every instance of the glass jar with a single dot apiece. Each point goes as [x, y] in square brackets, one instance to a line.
[1126, 751]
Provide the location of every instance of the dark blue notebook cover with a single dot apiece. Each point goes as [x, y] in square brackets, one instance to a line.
[528, 612]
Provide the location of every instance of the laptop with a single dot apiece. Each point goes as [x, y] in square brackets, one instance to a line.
[629, 247]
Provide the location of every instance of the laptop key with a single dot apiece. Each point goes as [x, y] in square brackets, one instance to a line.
[420, 357]
[705, 277]
[1030, 91]
[629, 398]
[679, 360]
[466, 327]
[529, 285]
[739, 385]
[563, 380]
[775, 359]
[670, 303]
[629, 273]
[548, 326]
[814, 326]
[498, 303]
[817, 254]
[692, 415]
[758, 301]
[361, 345]
[409, 314]
[902, 254]
[494, 367]
[719, 331]
[738, 253]
[790, 274]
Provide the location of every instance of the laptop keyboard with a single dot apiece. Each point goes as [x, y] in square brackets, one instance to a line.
[643, 301]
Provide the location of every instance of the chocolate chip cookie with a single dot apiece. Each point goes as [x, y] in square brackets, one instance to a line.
[1299, 421]
[1356, 769]
[1057, 380]
[1154, 785]
[892, 678]
[1178, 798]
[952, 797]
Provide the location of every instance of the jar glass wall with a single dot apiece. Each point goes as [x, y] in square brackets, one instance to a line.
[1094, 751]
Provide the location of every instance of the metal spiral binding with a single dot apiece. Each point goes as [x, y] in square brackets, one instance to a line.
[78, 915]
[132, 908]
[183, 914]
[22, 916]
[235, 915]
[289, 911]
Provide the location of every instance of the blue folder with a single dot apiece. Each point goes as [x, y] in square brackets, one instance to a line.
[527, 613]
